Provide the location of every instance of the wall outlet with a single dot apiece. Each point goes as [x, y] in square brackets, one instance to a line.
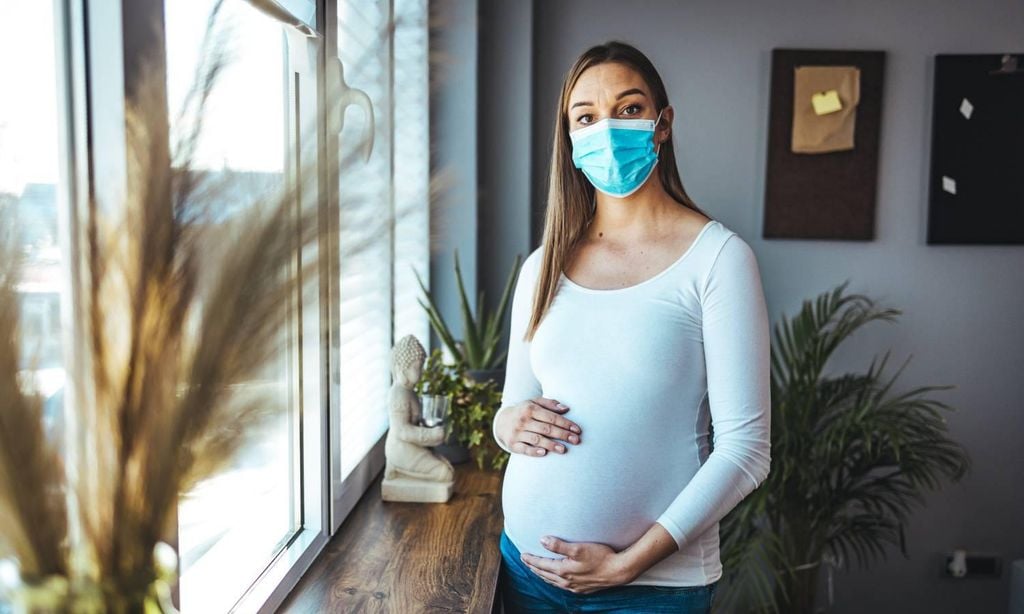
[977, 564]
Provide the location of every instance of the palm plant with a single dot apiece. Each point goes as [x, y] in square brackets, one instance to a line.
[478, 350]
[849, 461]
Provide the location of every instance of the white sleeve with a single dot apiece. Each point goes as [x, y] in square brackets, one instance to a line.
[520, 382]
[737, 356]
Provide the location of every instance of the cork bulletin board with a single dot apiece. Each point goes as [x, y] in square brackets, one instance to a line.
[976, 184]
[824, 126]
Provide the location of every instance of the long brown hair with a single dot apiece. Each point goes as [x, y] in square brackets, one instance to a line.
[570, 195]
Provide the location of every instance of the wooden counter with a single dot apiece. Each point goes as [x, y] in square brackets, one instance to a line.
[411, 557]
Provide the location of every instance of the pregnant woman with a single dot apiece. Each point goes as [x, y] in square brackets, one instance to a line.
[638, 329]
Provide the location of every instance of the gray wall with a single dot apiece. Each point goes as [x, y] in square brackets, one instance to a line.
[505, 96]
[453, 157]
[959, 302]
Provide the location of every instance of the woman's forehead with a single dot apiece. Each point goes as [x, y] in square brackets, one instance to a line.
[606, 81]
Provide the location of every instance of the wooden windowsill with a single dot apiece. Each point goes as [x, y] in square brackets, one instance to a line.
[411, 557]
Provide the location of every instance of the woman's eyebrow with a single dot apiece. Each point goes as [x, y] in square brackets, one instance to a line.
[622, 94]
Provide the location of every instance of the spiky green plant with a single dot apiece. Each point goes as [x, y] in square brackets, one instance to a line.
[850, 459]
[478, 348]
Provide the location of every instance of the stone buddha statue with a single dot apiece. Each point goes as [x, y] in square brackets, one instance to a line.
[412, 472]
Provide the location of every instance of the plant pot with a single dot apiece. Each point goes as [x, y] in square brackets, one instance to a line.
[801, 587]
[455, 452]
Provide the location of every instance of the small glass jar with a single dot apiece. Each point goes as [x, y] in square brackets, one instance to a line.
[434, 409]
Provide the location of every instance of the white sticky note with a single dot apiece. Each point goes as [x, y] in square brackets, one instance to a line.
[966, 108]
[949, 184]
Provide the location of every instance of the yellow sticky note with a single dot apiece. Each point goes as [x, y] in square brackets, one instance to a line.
[826, 102]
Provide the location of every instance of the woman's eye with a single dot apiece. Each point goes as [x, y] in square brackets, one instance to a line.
[633, 106]
[581, 118]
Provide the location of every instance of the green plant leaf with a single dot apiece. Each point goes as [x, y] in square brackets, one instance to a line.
[471, 336]
[496, 320]
[434, 315]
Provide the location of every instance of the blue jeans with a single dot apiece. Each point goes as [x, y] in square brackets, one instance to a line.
[523, 591]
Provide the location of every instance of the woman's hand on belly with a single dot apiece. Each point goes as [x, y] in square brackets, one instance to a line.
[586, 568]
[532, 426]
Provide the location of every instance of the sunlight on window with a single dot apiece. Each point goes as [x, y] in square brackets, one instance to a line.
[232, 525]
[412, 164]
[365, 198]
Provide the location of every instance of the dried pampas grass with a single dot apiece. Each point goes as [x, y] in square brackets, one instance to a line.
[180, 311]
[184, 311]
[33, 516]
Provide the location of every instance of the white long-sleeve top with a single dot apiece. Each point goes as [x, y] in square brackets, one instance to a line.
[644, 369]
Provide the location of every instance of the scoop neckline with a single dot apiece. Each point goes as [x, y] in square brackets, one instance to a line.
[649, 280]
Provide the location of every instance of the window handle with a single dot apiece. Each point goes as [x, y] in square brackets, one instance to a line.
[344, 95]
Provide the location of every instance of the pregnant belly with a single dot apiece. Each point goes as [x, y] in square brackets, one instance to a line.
[594, 493]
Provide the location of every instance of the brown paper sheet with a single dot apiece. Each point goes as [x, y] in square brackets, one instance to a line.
[813, 133]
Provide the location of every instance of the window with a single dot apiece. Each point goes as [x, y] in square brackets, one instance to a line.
[410, 87]
[382, 200]
[365, 201]
[30, 193]
[232, 525]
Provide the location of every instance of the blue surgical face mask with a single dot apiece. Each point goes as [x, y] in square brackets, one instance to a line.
[616, 155]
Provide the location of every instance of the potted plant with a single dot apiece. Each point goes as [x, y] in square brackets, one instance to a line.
[477, 351]
[849, 459]
[473, 405]
[473, 409]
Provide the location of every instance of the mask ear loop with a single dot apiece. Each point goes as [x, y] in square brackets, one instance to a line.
[657, 150]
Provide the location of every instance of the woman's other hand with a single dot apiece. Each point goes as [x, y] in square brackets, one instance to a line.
[532, 426]
[586, 568]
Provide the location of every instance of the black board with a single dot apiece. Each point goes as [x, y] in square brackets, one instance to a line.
[976, 183]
